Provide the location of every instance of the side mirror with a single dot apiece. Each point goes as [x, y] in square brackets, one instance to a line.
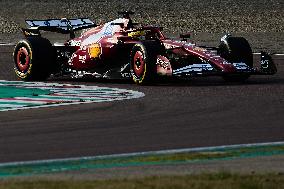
[185, 36]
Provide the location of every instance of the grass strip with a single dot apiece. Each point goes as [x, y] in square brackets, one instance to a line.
[200, 181]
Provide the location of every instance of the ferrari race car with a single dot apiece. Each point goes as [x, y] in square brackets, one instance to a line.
[124, 49]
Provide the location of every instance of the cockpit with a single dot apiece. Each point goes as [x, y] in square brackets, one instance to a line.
[123, 28]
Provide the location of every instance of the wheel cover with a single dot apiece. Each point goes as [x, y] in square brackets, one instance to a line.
[23, 60]
[138, 64]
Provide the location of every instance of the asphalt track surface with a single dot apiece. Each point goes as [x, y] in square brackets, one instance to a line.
[172, 115]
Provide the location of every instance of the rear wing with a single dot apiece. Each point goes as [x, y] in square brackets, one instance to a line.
[64, 26]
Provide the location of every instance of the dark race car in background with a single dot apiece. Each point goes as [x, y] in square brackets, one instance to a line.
[123, 49]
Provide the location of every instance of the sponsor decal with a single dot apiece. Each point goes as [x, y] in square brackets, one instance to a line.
[163, 66]
[46, 23]
[199, 49]
[170, 46]
[108, 30]
[82, 59]
[194, 68]
[137, 33]
[126, 75]
[74, 43]
[95, 50]
[241, 66]
[264, 64]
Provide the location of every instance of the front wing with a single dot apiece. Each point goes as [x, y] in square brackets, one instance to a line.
[267, 67]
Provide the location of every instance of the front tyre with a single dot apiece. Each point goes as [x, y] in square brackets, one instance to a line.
[33, 57]
[236, 50]
[143, 58]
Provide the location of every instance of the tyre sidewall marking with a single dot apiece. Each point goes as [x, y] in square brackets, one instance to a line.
[26, 45]
[140, 79]
[20, 64]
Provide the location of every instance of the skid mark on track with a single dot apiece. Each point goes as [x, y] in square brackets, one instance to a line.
[16, 95]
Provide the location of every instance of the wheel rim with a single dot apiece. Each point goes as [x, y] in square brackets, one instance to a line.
[138, 64]
[23, 59]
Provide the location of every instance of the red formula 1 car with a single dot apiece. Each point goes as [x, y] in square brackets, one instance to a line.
[123, 49]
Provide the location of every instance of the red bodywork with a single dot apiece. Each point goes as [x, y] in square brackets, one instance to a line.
[100, 45]
[104, 49]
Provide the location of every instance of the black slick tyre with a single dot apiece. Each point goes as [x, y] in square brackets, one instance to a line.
[34, 57]
[143, 58]
[236, 50]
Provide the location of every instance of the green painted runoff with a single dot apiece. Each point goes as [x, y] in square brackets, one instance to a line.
[12, 92]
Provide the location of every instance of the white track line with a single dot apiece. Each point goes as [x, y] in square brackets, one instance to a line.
[160, 152]
[278, 54]
[10, 106]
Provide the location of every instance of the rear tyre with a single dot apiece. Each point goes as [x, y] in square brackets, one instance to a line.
[236, 50]
[143, 58]
[34, 57]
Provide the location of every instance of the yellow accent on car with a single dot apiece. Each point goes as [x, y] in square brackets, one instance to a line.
[136, 33]
[199, 49]
[95, 50]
